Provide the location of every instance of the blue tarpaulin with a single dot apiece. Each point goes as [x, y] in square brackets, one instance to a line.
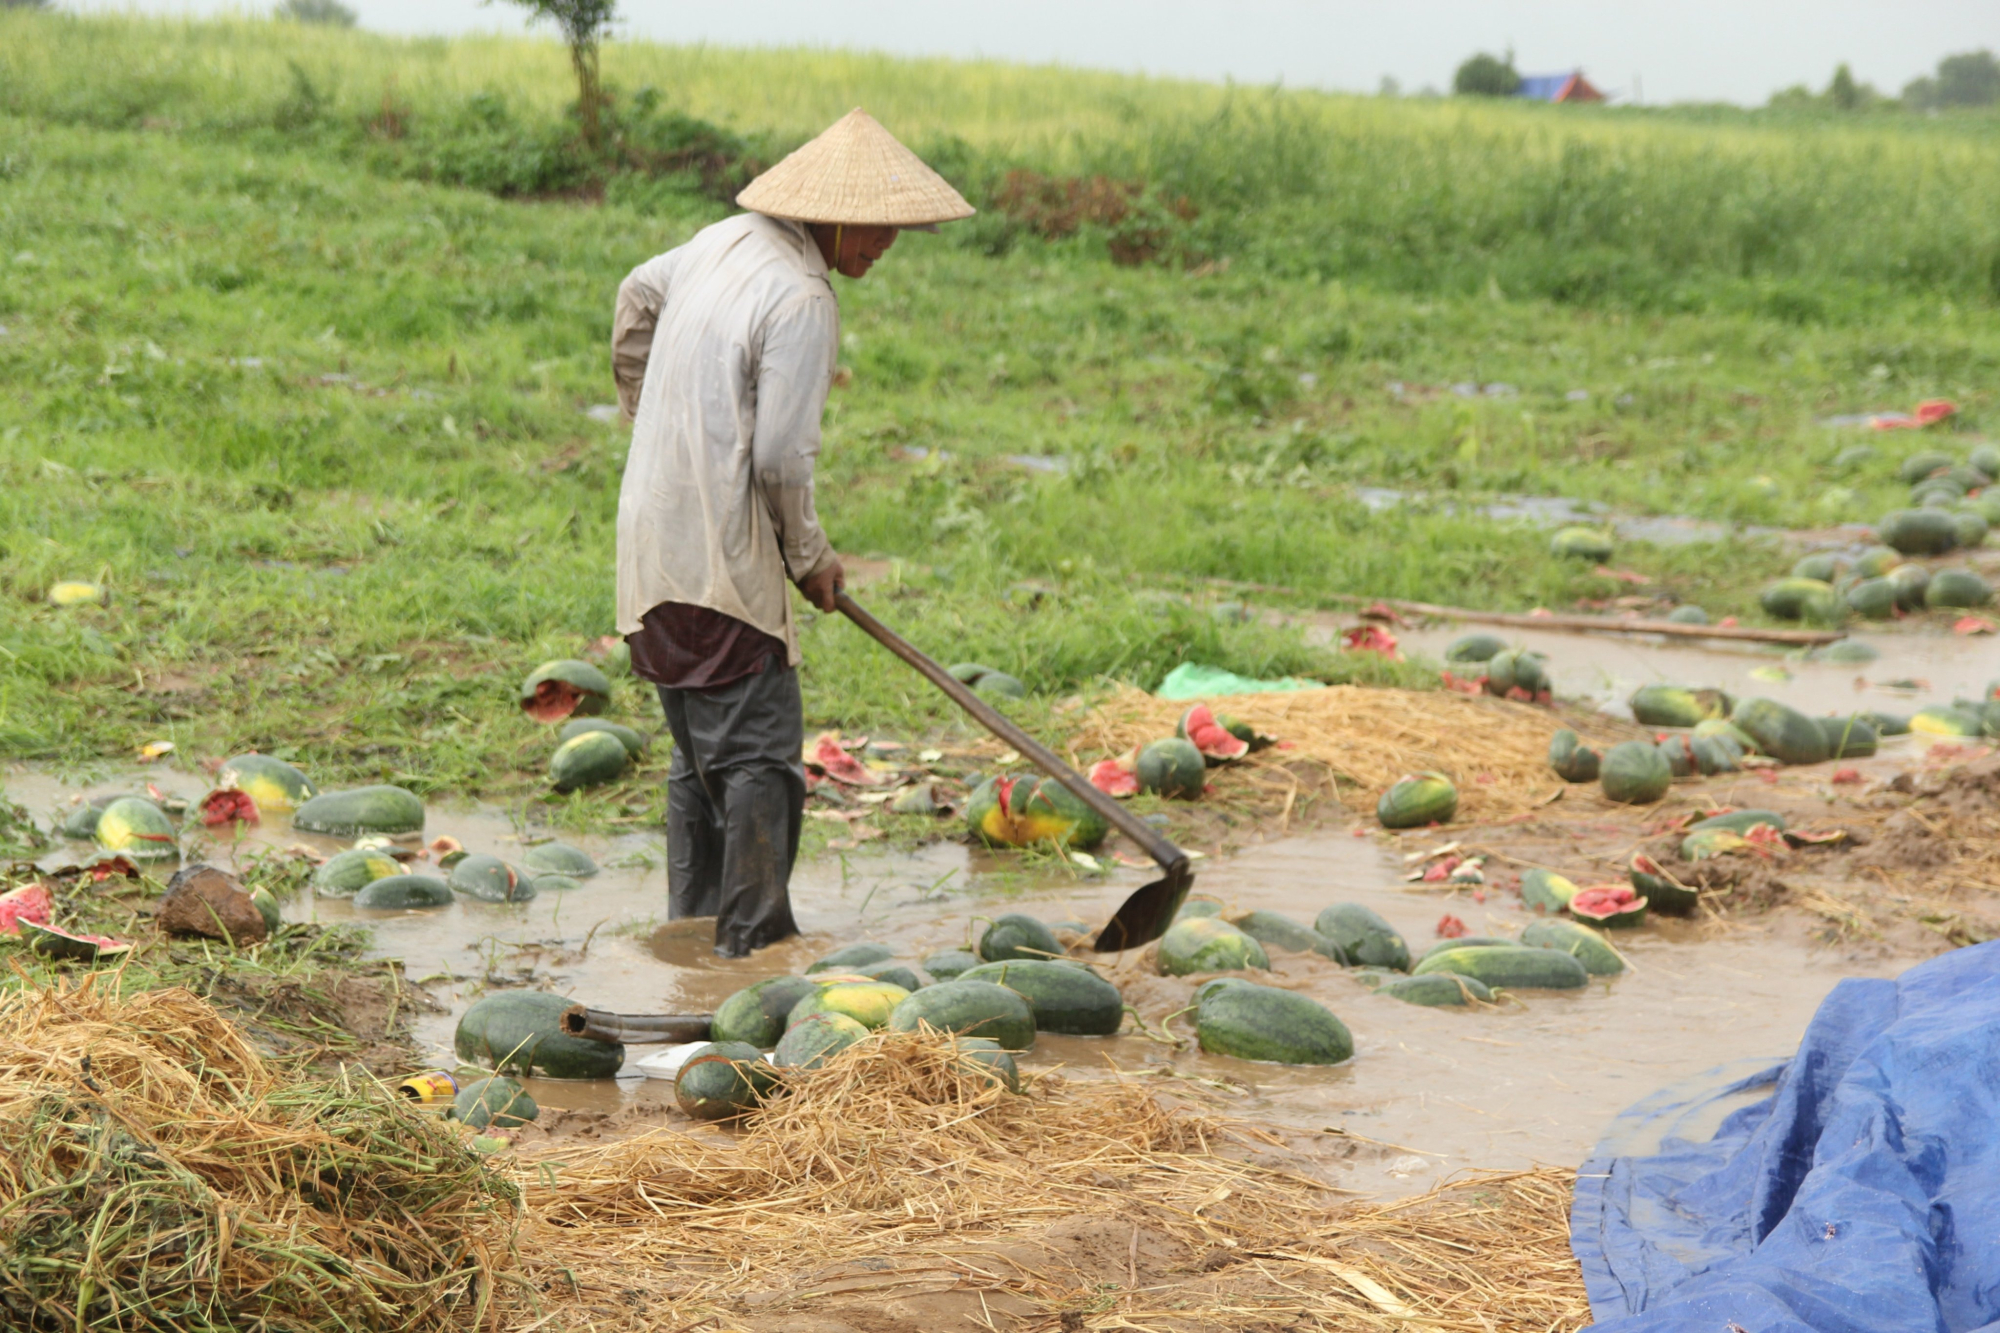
[1853, 1189]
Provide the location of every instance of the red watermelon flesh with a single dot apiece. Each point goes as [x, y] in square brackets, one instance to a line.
[30, 903]
[226, 805]
[1115, 777]
[53, 943]
[1210, 737]
[838, 764]
[1606, 902]
[554, 700]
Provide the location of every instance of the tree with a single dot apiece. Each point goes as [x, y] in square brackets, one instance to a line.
[329, 12]
[1485, 75]
[1971, 78]
[24, 4]
[584, 24]
[1844, 92]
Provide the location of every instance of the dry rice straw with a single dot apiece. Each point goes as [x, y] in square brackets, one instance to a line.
[1494, 750]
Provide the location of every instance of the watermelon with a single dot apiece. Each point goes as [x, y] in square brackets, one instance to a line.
[1724, 727]
[980, 1008]
[403, 893]
[1613, 905]
[949, 963]
[588, 759]
[1198, 726]
[968, 673]
[1801, 599]
[1172, 768]
[1275, 929]
[1661, 890]
[999, 685]
[1436, 990]
[29, 902]
[1886, 724]
[1845, 652]
[1944, 720]
[852, 956]
[1462, 942]
[1957, 589]
[1581, 544]
[1740, 821]
[984, 1060]
[1572, 760]
[363, 810]
[1678, 751]
[559, 858]
[1417, 800]
[756, 1014]
[345, 874]
[1254, 1022]
[1018, 812]
[1511, 966]
[1017, 935]
[1970, 527]
[1910, 583]
[896, 974]
[1820, 566]
[51, 942]
[134, 826]
[1635, 773]
[82, 822]
[267, 907]
[555, 690]
[1579, 942]
[1678, 705]
[1688, 614]
[1781, 731]
[1545, 891]
[1516, 669]
[1922, 464]
[520, 1031]
[1065, 998]
[1986, 458]
[1208, 944]
[1474, 648]
[490, 880]
[497, 1101]
[721, 1080]
[810, 1044]
[634, 743]
[72, 592]
[1198, 907]
[1848, 737]
[1874, 599]
[551, 882]
[1918, 531]
[1716, 754]
[1362, 935]
[272, 783]
[868, 1003]
[1876, 561]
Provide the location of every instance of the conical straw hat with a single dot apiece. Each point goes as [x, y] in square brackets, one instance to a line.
[859, 174]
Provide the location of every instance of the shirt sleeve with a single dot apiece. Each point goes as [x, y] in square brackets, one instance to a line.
[794, 372]
[640, 298]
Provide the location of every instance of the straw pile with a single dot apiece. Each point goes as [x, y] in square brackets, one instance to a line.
[158, 1174]
[889, 1190]
[1496, 751]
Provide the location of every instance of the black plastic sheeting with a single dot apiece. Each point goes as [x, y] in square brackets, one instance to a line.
[1860, 1194]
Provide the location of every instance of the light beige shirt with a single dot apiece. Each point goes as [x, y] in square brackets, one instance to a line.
[724, 350]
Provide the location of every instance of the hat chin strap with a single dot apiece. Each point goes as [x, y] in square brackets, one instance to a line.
[838, 229]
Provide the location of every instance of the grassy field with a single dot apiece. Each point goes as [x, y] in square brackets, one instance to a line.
[318, 418]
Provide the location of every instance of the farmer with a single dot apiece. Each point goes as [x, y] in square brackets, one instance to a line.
[724, 351]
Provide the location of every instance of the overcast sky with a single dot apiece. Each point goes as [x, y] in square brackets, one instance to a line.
[1705, 50]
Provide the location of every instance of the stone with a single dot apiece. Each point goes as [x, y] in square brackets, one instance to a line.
[210, 904]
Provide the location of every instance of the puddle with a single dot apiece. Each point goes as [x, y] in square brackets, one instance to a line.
[1551, 511]
[1606, 668]
[1535, 1082]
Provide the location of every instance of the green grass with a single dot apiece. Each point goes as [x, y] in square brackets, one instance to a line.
[319, 424]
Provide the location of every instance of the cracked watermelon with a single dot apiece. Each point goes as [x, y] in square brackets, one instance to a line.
[1200, 728]
[555, 690]
[1018, 812]
[1612, 905]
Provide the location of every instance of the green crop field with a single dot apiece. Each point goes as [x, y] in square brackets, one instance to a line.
[301, 327]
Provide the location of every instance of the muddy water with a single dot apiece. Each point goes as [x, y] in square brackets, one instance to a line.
[1534, 1081]
[1914, 668]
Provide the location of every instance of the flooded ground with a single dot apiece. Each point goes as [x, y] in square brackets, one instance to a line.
[1429, 1091]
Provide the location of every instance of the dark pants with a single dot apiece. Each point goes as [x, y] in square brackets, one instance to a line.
[736, 796]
